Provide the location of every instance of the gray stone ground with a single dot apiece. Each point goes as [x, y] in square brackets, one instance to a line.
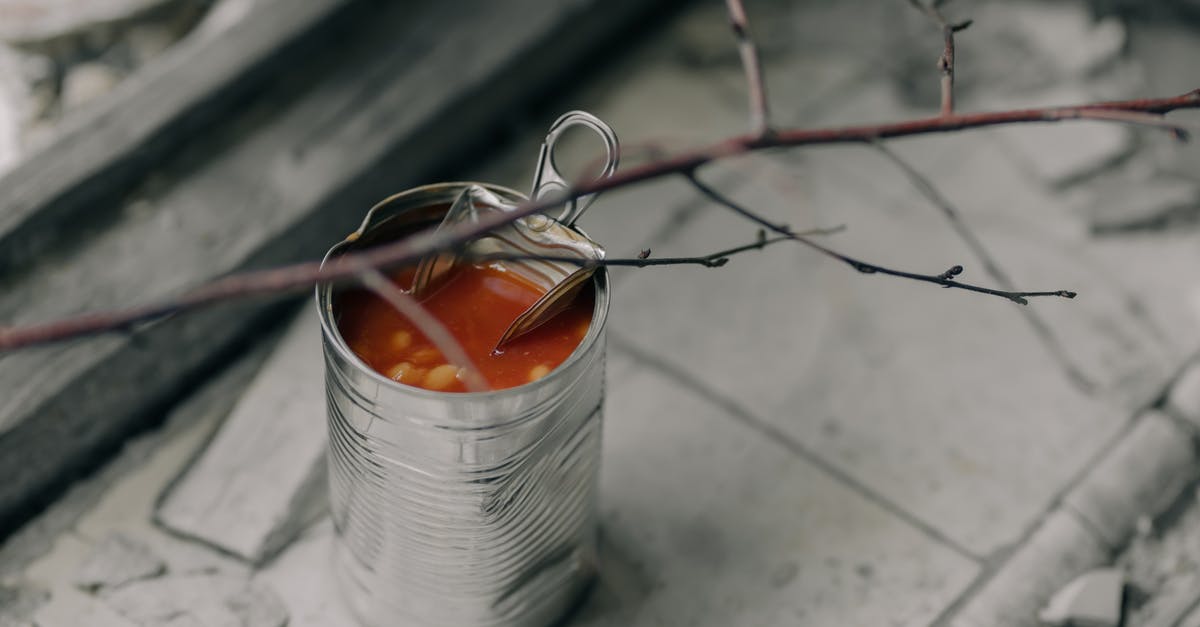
[786, 441]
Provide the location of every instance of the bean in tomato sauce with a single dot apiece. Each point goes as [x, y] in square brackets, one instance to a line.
[476, 303]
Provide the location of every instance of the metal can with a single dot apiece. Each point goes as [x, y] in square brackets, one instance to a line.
[461, 509]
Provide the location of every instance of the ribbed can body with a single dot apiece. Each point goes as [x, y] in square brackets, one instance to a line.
[463, 510]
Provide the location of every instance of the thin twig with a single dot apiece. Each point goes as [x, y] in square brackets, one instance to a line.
[945, 279]
[437, 333]
[945, 62]
[756, 88]
[303, 275]
[1179, 131]
[644, 260]
[1039, 325]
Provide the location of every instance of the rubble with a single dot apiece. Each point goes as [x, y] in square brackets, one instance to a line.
[86, 82]
[32, 22]
[1091, 600]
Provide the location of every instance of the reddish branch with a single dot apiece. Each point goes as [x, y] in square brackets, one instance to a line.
[303, 275]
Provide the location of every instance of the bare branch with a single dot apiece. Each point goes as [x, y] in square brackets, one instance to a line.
[644, 260]
[760, 119]
[1040, 327]
[1179, 131]
[945, 279]
[945, 62]
[303, 275]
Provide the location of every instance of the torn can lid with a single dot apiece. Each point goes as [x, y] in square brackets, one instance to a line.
[546, 252]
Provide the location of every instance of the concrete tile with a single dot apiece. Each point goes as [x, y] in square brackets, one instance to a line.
[115, 561]
[128, 505]
[1060, 549]
[941, 401]
[1183, 399]
[1141, 476]
[1128, 330]
[262, 477]
[301, 576]
[727, 527]
[67, 607]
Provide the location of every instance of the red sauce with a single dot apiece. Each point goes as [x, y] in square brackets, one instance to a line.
[476, 304]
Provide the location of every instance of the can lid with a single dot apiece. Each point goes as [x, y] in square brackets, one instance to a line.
[543, 250]
[547, 254]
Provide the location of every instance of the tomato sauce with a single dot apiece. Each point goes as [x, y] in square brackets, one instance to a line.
[476, 303]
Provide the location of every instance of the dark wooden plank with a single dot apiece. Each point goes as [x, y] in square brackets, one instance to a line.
[100, 152]
[415, 90]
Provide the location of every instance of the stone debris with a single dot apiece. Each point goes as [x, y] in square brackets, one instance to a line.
[87, 82]
[1094, 599]
[1170, 605]
[58, 55]
[32, 22]
[117, 560]
[262, 479]
[18, 104]
[1165, 566]
[200, 600]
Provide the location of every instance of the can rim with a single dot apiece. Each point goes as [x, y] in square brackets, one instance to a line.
[330, 331]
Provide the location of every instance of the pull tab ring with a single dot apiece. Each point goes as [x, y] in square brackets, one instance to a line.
[546, 178]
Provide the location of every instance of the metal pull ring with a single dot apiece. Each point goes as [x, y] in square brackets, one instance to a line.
[547, 179]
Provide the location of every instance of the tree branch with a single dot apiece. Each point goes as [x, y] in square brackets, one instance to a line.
[756, 89]
[945, 279]
[946, 60]
[644, 260]
[303, 275]
[1040, 327]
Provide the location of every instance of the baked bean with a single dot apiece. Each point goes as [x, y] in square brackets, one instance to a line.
[442, 377]
[538, 371]
[401, 340]
[476, 304]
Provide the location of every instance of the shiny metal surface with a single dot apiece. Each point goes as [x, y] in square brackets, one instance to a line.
[463, 510]
[548, 180]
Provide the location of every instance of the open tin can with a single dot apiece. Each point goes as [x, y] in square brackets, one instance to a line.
[461, 509]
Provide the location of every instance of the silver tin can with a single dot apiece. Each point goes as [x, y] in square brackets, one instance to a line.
[461, 509]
